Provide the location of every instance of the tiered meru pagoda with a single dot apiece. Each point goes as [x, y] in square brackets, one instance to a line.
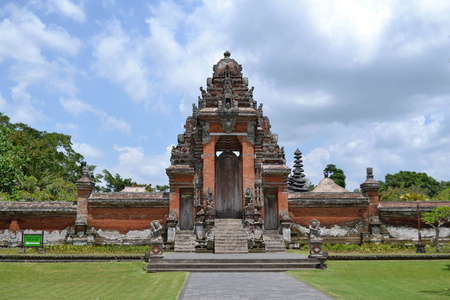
[228, 163]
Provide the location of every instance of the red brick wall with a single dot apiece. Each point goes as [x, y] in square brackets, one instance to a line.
[46, 223]
[125, 219]
[328, 215]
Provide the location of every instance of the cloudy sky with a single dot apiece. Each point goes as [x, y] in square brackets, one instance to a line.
[353, 83]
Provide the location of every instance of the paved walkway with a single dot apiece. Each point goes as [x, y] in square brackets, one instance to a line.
[258, 285]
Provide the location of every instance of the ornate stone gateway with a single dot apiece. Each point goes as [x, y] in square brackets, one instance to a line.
[227, 150]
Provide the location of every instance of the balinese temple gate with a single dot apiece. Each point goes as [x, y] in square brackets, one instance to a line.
[227, 164]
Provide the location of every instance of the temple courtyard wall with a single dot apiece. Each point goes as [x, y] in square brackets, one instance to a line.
[124, 218]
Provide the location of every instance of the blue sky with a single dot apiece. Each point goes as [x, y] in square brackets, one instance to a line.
[354, 83]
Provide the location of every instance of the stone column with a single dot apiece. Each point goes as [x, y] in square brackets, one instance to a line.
[85, 187]
[370, 189]
[209, 161]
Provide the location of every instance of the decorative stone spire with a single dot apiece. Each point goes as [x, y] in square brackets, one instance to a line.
[370, 184]
[297, 182]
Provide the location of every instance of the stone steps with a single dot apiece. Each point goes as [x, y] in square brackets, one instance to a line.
[184, 241]
[231, 265]
[274, 242]
[230, 237]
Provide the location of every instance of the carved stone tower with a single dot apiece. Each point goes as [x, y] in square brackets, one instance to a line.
[227, 153]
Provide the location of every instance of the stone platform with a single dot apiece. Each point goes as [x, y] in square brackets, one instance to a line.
[252, 262]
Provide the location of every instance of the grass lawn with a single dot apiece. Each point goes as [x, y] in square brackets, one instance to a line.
[124, 280]
[381, 279]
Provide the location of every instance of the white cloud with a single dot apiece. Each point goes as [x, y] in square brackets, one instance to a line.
[24, 41]
[23, 35]
[419, 144]
[75, 106]
[23, 105]
[109, 123]
[3, 103]
[87, 150]
[69, 9]
[121, 59]
[67, 126]
[135, 164]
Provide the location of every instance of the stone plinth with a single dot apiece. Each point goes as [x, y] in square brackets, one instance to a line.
[315, 248]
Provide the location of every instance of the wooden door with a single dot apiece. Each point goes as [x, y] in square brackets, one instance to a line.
[270, 212]
[228, 186]
[186, 212]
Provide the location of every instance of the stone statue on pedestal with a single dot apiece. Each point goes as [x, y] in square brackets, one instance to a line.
[314, 230]
[156, 231]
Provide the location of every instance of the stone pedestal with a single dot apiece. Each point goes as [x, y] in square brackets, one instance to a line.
[156, 250]
[420, 248]
[286, 230]
[315, 248]
[199, 230]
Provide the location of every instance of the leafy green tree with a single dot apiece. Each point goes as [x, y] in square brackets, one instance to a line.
[162, 188]
[309, 184]
[436, 218]
[12, 161]
[408, 179]
[444, 195]
[395, 194]
[413, 197]
[113, 183]
[337, 175]
[45, 164]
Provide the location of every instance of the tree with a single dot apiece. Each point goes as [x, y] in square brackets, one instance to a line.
[37, 165]
[408, 179]
[162, 188]
[113, 183]
[12, 161]
[413, 197]
[337, 175]
[309, 184]
[436, 218]
[444, 195]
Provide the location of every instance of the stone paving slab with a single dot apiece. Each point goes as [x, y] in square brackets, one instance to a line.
[202, 256]
[264, 285]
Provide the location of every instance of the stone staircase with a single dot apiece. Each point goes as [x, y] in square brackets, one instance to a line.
[231, 263]
[274, 241]
[184, 241]
[230, 237]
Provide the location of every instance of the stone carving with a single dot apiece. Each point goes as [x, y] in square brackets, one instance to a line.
[228, 119]
[251, 132]
[156, 231]
[249, 201]
[314, 230]
[204, 94]
[205, 133]
[284, 217]
[209, 202]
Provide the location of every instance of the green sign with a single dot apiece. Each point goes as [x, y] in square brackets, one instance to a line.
[32, 240]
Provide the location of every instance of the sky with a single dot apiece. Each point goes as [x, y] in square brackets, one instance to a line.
[353, 83]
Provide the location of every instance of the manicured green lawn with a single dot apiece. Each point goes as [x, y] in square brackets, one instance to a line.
[381, 279]
[106, 280]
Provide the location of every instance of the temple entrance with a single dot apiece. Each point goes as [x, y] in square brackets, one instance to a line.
[186, 212]
[270, 211]
[228, 185]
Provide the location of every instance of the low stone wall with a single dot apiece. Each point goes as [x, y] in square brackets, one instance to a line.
[331, 209]
[405, 213]
[125, 212]
[34, 217]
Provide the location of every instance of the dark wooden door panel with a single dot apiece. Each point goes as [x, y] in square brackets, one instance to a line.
[270, 212]
[228, 185]
[186, 213]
